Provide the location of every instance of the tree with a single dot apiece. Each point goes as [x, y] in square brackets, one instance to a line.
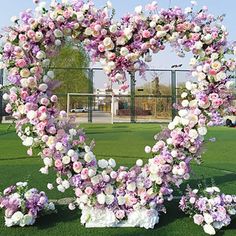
[68, 66]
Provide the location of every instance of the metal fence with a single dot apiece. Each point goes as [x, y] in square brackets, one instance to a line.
[83, 95]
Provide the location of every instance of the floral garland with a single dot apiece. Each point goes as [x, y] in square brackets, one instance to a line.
[119, 46]
[23, 205]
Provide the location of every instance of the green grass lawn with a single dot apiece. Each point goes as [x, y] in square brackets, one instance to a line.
[125, 143]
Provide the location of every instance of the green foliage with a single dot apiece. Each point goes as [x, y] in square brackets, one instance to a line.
[67, 65]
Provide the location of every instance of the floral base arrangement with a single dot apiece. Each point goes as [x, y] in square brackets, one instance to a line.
[209, 208]
[96, 218]
[23, 205]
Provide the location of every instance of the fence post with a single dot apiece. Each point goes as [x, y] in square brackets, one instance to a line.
[90, 97]
[1, 104]
[173, 90]
[132, 97]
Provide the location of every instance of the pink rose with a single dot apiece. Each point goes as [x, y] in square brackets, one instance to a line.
[78, 192]
[101, 48]
[22, 38]
[24, 95]
[54, 98]
[84, 173]
[198, 219]
[120, 214]
[89, 191]
[77, 166]
[21, 63]
[58, 164]
[146, 34]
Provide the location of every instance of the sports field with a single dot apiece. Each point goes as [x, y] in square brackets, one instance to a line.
[125, 143]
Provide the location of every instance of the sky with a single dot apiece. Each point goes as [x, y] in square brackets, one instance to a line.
[162, 60]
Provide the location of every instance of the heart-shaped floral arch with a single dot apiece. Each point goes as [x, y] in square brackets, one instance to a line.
[109, 196]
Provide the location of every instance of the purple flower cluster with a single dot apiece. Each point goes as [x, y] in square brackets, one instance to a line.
[209, 208]
[22, 205]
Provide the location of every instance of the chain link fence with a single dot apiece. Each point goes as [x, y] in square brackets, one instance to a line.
[86, 94]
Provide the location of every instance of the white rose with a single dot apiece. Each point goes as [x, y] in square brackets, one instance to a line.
[5, 96]
[50, 186]
[121, 200]
[59, 146]
[109, 199]
[65, 184]
[101, 198]
[208, 218]
[95, 180]
[87, 149]
[188, 85]
[171, 126]
[17, 216]
[193, 133]
[40, 55]
[202, 131]
[174, 153]
[88, 157]
[28, 141]
[66, 160]
[44, 170]
[220, 76]
[230, 84]
[103, 163]
[27, 220]
[47, 161]
[80, 16]
[131, 186]
[73, 133]
[139, 9]
[198, 45]
[183, 113]
[60, 188]
[31, 115]
[58, 33]
[112, 163]
[184, 95]
[209, 229]
[50, 74]
[139, 162]
[124, 51]
[71, 153]
[148, 149]
[113, 28]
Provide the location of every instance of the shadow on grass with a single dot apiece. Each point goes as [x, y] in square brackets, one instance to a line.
[219, 180]
[63, 215]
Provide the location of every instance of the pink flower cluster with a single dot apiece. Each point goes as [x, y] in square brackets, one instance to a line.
[209, 208]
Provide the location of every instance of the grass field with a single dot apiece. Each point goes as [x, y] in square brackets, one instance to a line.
[125, 143]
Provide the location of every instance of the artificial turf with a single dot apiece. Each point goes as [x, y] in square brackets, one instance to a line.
[125, 143]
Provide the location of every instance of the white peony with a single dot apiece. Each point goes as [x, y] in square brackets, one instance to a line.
[139, 9]
[193, 133]
[208, 218]
[103, 163]
[131, 186]
[28, 141]
[16, 217]
[209, 229]
[202, 131]
[27, 220]
[121, 200]
[47, 161]
[101, 198]
[109, 199]
[139, 162]
[66, 160]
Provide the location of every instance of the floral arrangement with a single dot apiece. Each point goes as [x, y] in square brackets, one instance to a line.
[23, 205]
[209, 208]
[119, 46]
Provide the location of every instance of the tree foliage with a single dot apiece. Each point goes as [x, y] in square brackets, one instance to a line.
[67, 65]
